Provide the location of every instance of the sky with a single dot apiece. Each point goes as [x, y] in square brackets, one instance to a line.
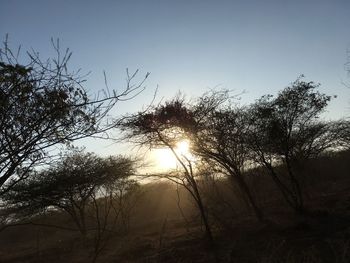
[255, 46]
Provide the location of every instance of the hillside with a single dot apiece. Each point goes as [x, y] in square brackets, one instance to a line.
[158, 231]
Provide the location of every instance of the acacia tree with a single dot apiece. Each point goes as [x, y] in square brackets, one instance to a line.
[218, 136]
[163, 126]
[43, 106]
[74, 186]
[286, 131]
[216, 130]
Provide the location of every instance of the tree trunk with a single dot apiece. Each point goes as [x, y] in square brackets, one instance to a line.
[198, 199]
[246, 191]
[205, 220]
[296, 189]
[292, 196]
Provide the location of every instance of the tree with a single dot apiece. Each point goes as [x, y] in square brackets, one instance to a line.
[342, 129]
[73, 185]
[216, 130]
[43, 106]
[286, 131]
[218, 136]
[163, 126]
[111, 207]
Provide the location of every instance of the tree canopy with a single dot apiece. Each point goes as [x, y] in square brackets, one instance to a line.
[44, 105]
[70, 185]
[286, 130]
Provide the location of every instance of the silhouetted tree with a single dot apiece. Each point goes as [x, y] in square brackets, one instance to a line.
[43, 105]
[73, 185]
[162, 126]
[126, 195]
[216, 130]
[286, 131]
[218, 136]
[110, 208]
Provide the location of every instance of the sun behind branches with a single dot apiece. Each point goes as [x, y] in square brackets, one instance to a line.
[165, 158]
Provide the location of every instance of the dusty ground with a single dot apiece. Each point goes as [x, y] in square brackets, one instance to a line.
[159, 233]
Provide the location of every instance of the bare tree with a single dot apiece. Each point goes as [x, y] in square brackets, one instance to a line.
[110, 209]
[44, 105]
[161, 126]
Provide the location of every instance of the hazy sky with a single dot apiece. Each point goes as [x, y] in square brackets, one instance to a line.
[256, 46]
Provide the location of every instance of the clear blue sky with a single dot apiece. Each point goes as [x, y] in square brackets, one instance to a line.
[257, 46]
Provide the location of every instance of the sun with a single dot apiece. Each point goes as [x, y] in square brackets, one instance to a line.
[165, 158]
[183, 148]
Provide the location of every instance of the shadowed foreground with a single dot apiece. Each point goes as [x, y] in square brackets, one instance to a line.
[158, 231]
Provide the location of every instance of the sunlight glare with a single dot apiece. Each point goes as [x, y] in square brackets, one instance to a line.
[165, 158]
[183, 148]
